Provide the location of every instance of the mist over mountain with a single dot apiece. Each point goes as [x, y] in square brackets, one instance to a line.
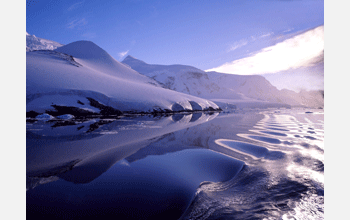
[295, 63]
[222, 88]
[310, 77]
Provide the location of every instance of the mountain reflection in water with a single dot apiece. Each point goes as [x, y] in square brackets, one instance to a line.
[247, 165]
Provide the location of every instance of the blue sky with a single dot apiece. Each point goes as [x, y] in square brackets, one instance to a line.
[204, 34]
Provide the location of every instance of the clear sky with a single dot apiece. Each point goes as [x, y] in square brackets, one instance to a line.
[204, 34]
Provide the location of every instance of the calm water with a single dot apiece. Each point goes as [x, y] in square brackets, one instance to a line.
[245, 165]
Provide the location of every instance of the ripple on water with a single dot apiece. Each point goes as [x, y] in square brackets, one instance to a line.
[265, 139]
[277, 129]
[310, 138]
[273, 133]
[251, 149]
[273, 125]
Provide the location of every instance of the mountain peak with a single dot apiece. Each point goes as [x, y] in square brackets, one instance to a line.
[84, 49]
[131, 59]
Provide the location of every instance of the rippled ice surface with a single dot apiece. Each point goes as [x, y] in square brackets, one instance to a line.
[245, 165]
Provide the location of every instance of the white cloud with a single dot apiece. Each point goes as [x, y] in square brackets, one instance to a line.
[76, 23]
[74, 6]
[237, 45]
[288, 30]
[122, 54]
[266, 35]
[292, 53]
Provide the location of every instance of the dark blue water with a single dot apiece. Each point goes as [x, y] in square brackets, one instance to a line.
[246, 165]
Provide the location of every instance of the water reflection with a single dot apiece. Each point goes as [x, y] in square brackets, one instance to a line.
[189, 166]
[251, 150]
[100, 143]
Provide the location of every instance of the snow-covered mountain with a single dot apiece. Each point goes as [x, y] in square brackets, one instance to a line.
[181, 78]
[224, 89]
[84, 76]
[36, 43]
[257, 87]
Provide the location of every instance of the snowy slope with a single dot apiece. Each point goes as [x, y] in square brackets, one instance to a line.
[186, 79]
[36, 43]
[223, 89]
[81, 70]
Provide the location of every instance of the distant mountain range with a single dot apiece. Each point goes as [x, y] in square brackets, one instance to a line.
[242, 90]
[82, 77]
